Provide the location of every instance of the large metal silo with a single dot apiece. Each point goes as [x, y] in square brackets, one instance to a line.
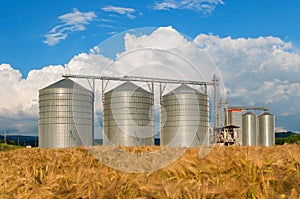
[128, 116]
[266, 129]
[65, 115]
[249, 129]
[184, 118]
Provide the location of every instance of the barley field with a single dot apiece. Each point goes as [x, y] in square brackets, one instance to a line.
[225, 172]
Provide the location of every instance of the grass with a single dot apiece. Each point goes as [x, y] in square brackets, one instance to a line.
[226, 172]
[7, 147]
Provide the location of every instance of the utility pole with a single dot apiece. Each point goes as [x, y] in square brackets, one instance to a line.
[4, 137]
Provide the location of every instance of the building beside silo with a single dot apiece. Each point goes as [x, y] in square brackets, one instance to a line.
[65, 115]
[266, 123]
[249, 129]
[235, 118]
[128, 116]
[184, 118]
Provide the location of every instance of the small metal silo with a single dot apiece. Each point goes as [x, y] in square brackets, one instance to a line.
[65, 115]
[184, 118]
[266, 129]
[249, 129]
[128, 116]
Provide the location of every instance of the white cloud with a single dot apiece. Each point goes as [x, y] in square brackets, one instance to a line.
[19, 96]
[112, 33]
[257, 71]
[87, 64]
[95, 50]
[107, 26]
[204, 6]
[172, 51]
[77, 17]
[281, 130]
[108, 20]
[166, 5]
[261, 71]
[71, 22]
[163, 37]
[128, 12]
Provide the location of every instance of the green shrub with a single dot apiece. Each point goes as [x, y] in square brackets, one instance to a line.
[289, 140]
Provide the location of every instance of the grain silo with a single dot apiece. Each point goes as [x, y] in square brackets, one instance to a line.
[266, 129]
[184, 118]
[249, 129]
[128, 116]
[65, 115]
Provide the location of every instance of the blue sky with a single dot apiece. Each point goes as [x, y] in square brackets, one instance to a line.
[25, 24]
[255, 44]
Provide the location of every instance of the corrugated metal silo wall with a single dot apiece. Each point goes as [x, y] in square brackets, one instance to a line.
[65, 117]
[266, 129]
[184, 120]
[249, 129]
[235, 118]
[128, 118]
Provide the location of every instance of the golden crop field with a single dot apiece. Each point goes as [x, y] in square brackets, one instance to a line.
[226, 172]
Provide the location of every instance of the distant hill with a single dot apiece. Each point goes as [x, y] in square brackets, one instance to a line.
[284, 134]
[21, 140]
[33, 140]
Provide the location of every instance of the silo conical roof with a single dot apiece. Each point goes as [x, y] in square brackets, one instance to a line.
[184, 89]
[266, 113]
[128, 86]
[65, 83]
[249, 113]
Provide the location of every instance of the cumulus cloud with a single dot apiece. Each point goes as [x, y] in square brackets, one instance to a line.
[281, 130]
[163, 37]
[256, 71]
[260, 71]
[19, 96]
[170, 55]
[204, 6]
[26, 89]
[128, 12]
[70, 22]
